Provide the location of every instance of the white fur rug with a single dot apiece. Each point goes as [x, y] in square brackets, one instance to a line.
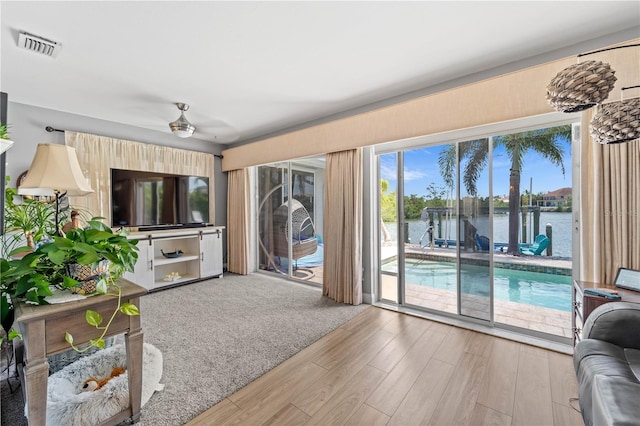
[68, 405]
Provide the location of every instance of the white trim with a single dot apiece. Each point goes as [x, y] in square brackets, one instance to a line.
[478, 132]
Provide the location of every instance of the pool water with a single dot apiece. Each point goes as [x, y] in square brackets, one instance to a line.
[531, 288]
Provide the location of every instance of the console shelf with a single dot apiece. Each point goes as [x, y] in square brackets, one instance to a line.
[201, 258]
[165, 261]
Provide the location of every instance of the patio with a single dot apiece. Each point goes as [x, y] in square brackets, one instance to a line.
[530, 317]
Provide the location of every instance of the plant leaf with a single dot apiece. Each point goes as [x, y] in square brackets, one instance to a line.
[62, 243]
[57, 257]
[99, 343]
[102, 287]
[129, 309]
[18, 250]
[93, 318]
[68, 338]
[68, 282]
[88, 258]
[95, 235]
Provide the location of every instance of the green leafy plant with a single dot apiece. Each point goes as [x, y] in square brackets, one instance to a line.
[29, 277]
[28, 221]
[95, 319]
[4, 131]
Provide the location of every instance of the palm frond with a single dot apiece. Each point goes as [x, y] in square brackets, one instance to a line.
[447, 164]
[476, 156]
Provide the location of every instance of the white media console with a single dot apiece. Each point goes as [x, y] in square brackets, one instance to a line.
[201, 256]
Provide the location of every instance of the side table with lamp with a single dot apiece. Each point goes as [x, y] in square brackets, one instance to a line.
[55, 170]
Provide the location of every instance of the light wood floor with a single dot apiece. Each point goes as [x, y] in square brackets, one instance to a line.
[387, 368]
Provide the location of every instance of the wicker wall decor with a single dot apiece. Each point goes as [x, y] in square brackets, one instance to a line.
[616, 122]
[581, 86]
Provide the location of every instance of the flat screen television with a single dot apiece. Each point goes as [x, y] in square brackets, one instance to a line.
[143, 199]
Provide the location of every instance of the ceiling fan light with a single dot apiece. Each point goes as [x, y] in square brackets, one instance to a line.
[181, 127]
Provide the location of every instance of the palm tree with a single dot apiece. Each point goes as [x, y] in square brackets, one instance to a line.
[546, 142]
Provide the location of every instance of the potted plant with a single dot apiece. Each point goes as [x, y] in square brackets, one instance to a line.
[29, 221]
[53, 263]
[4, 136]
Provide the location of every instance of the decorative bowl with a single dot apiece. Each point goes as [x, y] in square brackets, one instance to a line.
[172, 254]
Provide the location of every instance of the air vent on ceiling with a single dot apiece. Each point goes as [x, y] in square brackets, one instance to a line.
[38, 44]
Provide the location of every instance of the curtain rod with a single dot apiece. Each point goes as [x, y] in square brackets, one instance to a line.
[51, 129]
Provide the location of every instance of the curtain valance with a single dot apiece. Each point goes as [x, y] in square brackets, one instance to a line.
[99, 154]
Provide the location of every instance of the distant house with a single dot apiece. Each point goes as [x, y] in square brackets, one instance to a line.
[558, 198]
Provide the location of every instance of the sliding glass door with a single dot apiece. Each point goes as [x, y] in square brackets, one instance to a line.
[464, 233]
[290, 218]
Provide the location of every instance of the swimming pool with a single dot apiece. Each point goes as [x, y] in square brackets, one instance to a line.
[531, 288]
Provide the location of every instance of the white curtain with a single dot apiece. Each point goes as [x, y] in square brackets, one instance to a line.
[238, 212]
[99, 154]
[342, 279]
[609, 206]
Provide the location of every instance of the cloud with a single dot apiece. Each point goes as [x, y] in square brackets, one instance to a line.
[388, 171]
[414, 174]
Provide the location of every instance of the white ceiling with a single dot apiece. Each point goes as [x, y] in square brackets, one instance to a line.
[248, 69]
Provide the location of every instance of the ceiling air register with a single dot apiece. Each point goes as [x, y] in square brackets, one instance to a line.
[38, 44]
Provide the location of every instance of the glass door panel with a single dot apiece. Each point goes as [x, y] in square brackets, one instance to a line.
[429, 228]
[532, 229]
[388, 212]
[474, 229]
[307, 192]
[272, 192]
[290, 218]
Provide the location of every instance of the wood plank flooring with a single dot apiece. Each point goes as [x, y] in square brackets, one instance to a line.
[388, 368]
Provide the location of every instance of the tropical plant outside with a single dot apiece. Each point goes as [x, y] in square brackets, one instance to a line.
[474, 158]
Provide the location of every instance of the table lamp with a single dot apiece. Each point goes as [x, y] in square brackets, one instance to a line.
[55, 171]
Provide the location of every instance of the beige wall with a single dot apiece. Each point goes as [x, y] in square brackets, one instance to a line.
[508, 97]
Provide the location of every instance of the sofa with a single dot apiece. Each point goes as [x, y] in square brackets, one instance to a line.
[607, 364]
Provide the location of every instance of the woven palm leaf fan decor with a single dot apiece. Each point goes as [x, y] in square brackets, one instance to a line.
[581, 86]
[616, 122]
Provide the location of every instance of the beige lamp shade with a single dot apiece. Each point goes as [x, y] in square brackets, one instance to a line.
[55, 168]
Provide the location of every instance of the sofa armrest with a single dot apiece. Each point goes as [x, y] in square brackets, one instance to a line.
[615, 322]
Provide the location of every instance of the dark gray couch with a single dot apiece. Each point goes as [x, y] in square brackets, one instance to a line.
[607, 364]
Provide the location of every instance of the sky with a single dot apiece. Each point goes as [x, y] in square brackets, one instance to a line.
[421, 168]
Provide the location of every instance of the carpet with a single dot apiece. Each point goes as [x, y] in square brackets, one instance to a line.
[217, 336]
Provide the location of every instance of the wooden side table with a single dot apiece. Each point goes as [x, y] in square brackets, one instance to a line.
[43, 329]
[584, 304]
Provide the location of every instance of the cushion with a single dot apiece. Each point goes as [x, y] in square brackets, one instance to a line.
[596, 358]
[68, 405]
[616, 402]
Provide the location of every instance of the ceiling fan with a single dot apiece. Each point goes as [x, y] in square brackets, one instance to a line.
[218, 129]
[181, 127]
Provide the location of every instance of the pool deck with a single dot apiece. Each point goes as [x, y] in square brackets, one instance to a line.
[530, 317]
[527, 262]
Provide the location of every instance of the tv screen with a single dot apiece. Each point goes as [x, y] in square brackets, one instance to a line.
[152, 198]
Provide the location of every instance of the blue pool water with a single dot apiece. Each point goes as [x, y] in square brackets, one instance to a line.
[531, 288]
